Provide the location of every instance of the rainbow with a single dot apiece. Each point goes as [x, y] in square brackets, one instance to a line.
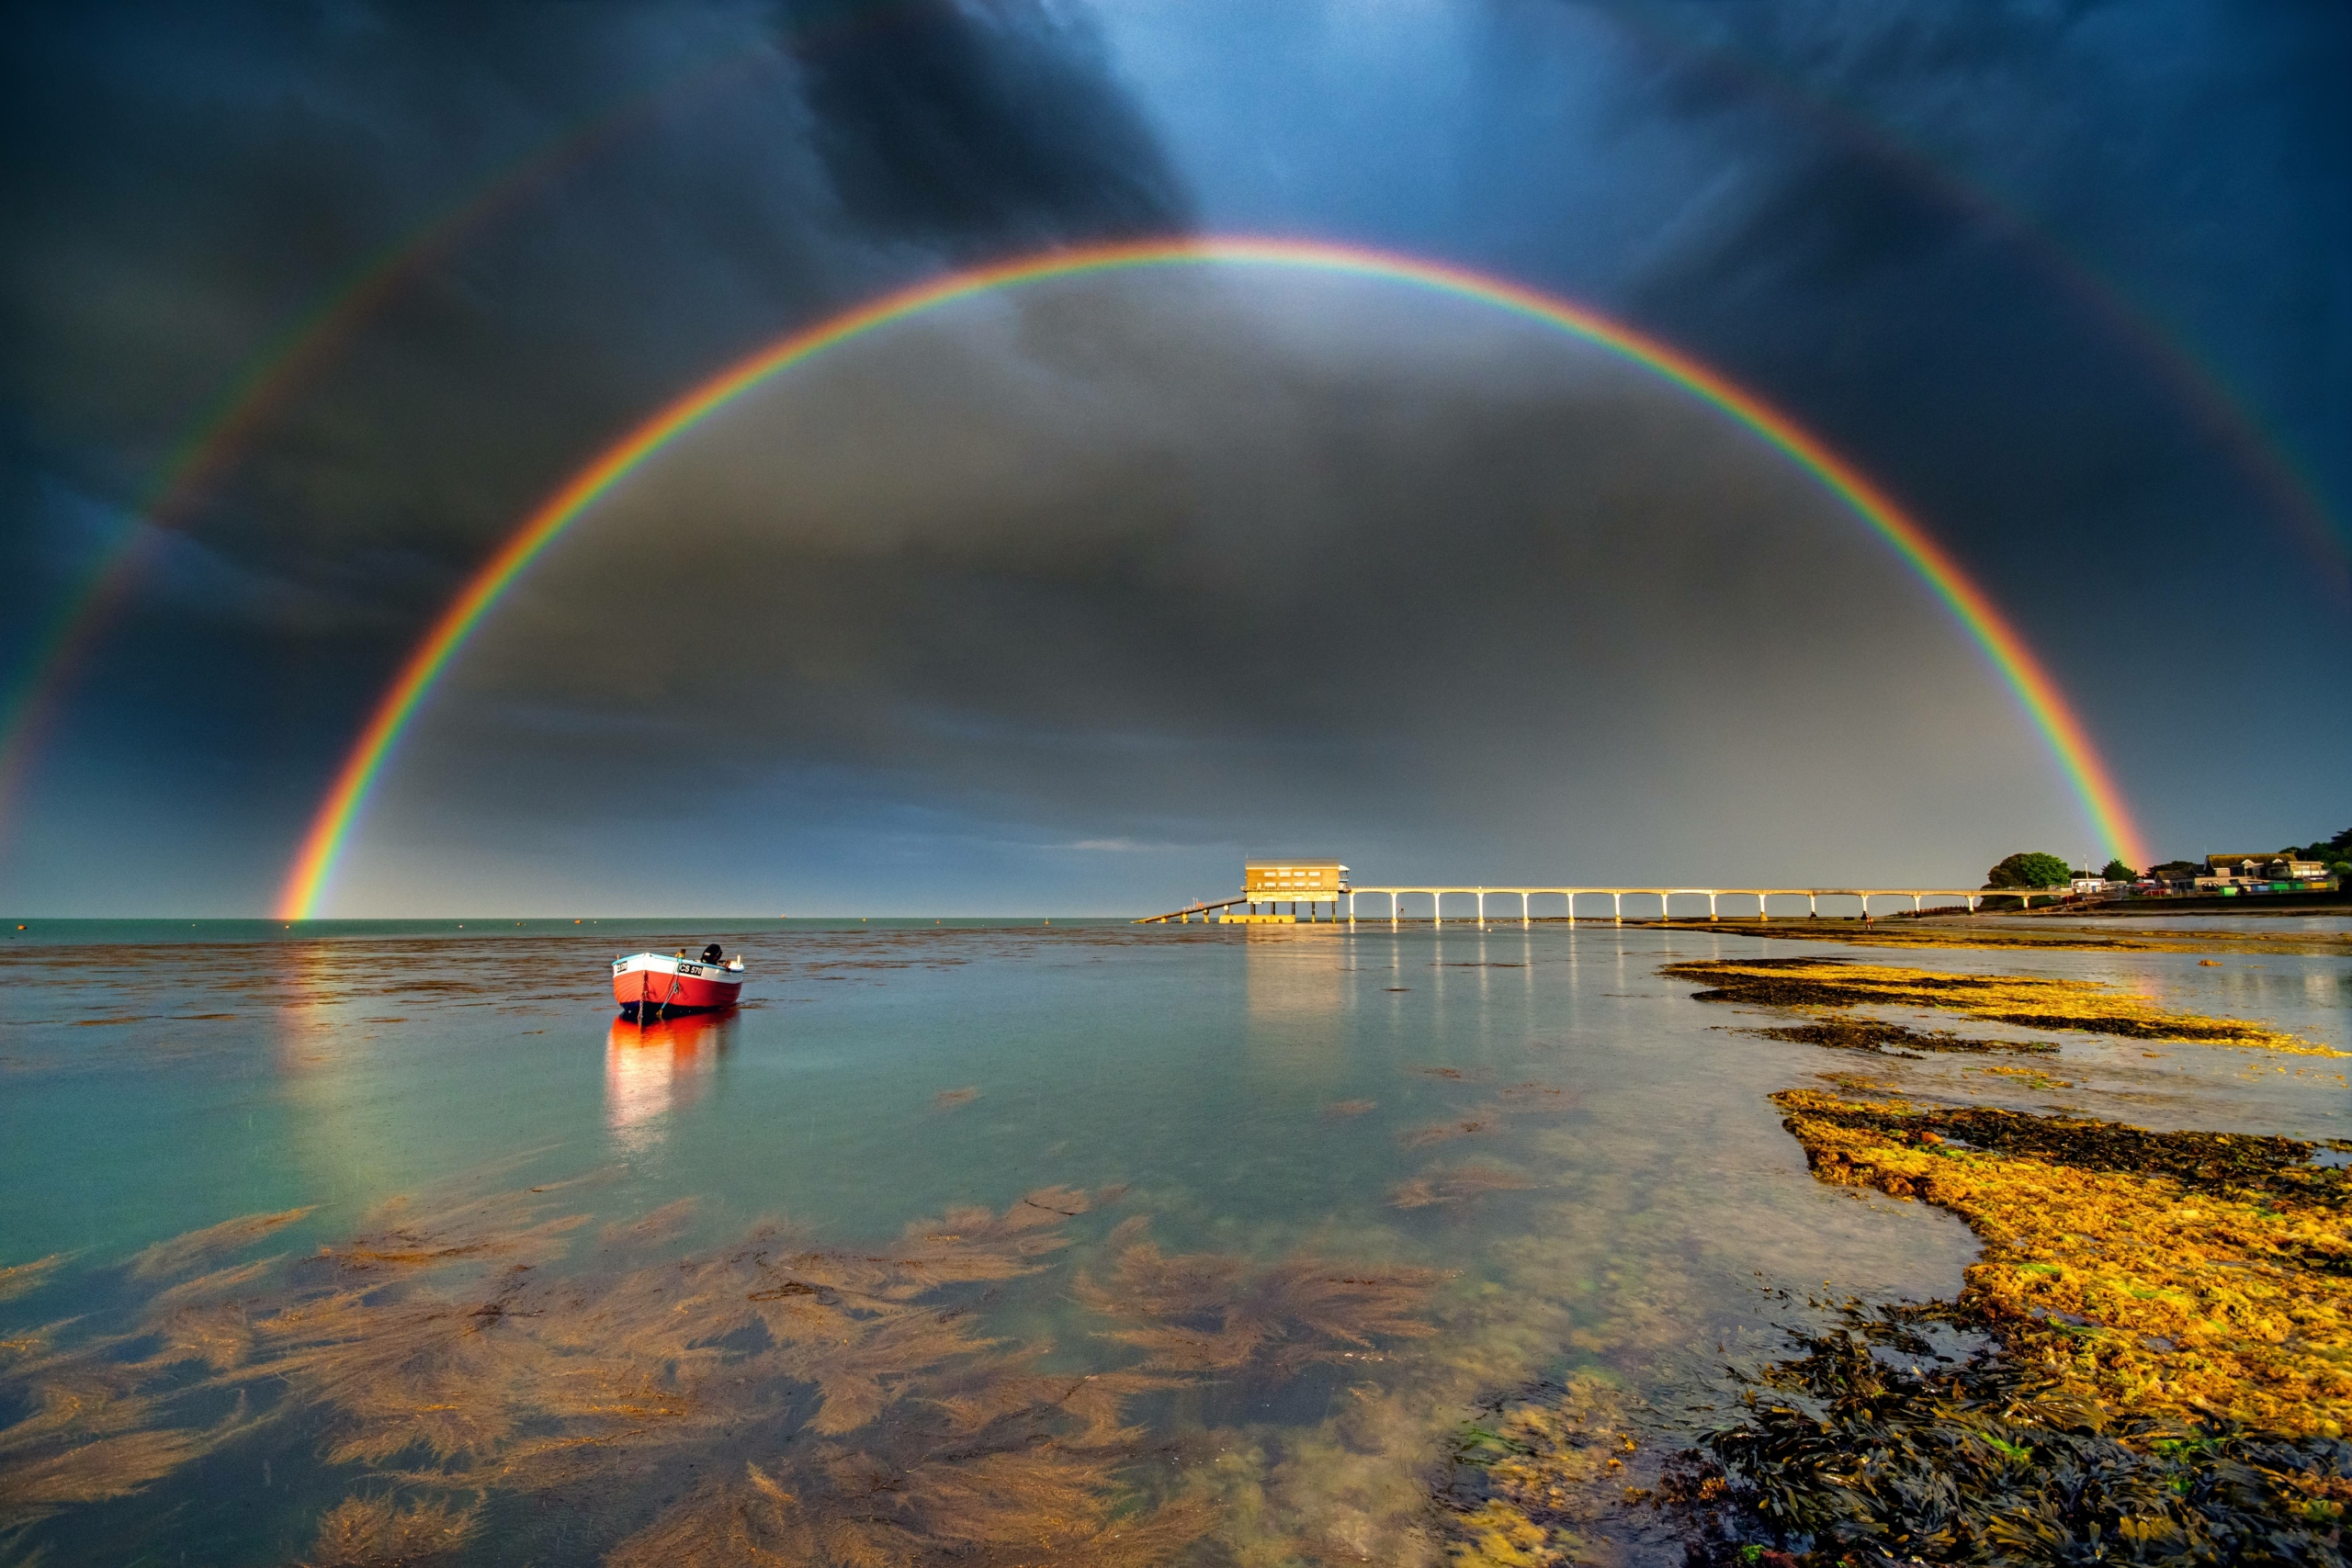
[2069, 743]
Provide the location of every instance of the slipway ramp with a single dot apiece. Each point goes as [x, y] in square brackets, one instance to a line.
[1187, 913]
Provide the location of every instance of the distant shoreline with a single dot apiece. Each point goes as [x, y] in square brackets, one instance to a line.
[2257, 904]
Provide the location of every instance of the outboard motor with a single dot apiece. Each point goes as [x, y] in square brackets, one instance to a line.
[712, 954]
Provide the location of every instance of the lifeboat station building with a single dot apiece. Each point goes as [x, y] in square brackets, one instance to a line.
[1291, 890]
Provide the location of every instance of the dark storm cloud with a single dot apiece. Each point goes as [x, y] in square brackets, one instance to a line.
[2073, 235]
[657, 187]
[184, 188]
[965, 127]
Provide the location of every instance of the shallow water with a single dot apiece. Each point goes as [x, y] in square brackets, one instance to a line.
[1013, 1242]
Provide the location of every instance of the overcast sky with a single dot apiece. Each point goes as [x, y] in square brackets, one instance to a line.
[1066, 598]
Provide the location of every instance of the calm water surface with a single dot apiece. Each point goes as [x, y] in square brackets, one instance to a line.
[957, 1242]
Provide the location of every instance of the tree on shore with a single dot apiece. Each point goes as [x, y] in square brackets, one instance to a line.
[2029, 869]
[2116, 871]
[2329, 852]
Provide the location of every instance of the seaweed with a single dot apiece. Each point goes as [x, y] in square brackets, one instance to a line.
[1454, 1184]
[1037, 1506]
[171, 1257]
[2027, 1001]
[1872, 1445]
[2191, 1275]
[1516, 1100]
[439, 1348]
[1892, 1039]
[37, 1478]
[2230, 1165]
[19, 1279]
[1442, 1131]
[780, 1400]
[2029, 1077]
[375, 1533]
[1525, 1487]
[1210, 1313]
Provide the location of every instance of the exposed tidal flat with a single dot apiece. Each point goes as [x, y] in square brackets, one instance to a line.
[1017, 1244]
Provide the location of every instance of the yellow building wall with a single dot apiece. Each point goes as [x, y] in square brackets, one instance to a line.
[1300, 879]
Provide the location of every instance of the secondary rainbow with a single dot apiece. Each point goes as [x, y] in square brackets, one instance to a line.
[297, 355]
[2069, 743]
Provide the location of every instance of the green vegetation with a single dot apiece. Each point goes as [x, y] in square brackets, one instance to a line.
[2335, 853]
[2116, 871]
[2029, 869]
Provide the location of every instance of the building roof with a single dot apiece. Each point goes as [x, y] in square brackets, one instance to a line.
[1297, 860]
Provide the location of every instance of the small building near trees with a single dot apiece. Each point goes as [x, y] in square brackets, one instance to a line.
[2234, 869]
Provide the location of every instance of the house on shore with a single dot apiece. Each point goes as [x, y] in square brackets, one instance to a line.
[2266, 873]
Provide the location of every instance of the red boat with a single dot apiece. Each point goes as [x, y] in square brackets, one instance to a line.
[654, 985]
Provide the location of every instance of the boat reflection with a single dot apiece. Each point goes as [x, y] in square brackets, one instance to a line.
[652, 1069]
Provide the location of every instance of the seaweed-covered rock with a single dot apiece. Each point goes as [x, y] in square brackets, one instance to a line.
[1873, 1446]
[2028, 1001]
[2189, 1275]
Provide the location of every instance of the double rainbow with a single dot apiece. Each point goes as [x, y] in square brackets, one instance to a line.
[2071, 746]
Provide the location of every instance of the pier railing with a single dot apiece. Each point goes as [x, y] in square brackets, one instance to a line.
[1344, 908]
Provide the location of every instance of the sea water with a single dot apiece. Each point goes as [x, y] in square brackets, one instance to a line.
[957, 1241]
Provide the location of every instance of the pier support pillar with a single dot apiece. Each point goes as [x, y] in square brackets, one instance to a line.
[1572, 907]
[1711, 906]
[1762, 910]
[1523, 912]
[1617, 907]
[1482, 909]
[1813, 907]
